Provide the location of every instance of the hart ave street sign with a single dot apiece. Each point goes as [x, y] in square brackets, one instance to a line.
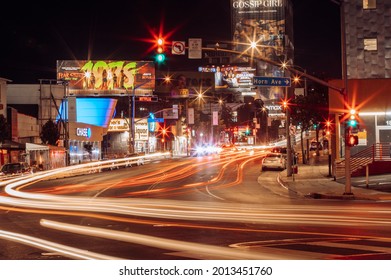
[272, 81]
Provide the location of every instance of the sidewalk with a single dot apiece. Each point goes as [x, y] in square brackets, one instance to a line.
[313, 181]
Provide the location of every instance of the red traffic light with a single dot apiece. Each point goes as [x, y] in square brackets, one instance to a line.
[352, 140]
[160, 45]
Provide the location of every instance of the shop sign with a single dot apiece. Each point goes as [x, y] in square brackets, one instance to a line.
[141, 131]
[83, 132]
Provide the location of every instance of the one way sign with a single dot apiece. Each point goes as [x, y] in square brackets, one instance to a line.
[272, 81]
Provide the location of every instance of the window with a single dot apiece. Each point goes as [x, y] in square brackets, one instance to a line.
[369, 4]
[370, 44]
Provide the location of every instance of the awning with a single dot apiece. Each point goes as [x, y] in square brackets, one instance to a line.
[12, 145]
[36, 147]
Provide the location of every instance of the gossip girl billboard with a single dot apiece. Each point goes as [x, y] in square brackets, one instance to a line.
[262, 22]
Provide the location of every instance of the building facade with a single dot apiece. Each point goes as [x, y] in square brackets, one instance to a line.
[368, 68]
[368, 38]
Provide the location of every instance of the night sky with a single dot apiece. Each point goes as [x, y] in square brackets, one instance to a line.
[35, 35]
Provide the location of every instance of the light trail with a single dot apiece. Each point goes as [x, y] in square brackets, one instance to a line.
[192, 248]
[48, 246]
[122, 209]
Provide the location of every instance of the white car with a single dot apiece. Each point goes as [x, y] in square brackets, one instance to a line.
[274, 161]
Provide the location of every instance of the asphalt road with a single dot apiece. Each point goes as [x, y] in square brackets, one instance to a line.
[212, 207]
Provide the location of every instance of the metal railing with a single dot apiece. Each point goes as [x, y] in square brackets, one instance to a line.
[375, 153]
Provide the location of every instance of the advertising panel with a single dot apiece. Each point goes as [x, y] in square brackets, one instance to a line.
[231, 77]
[259, 21]
[270, 24]
[107, 77]
[184, 84]
[141, 131]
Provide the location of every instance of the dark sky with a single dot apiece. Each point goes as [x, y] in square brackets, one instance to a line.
[35, 35]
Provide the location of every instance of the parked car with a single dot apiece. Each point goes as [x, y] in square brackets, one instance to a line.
[274, 161]
[16, 168]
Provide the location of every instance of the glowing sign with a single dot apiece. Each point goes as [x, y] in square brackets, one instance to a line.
[106, 76]
[83, 132]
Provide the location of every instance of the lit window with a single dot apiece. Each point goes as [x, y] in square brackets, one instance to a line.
[370, 44]
[369, 4]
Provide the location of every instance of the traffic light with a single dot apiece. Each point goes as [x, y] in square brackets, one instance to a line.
[160, 56]
[352, 121]
[351, 140]
[284, 105]
[327, 128]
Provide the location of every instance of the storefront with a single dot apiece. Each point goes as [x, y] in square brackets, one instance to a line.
[45, 157]
[84, 142]
[118, 138]
[11, 151]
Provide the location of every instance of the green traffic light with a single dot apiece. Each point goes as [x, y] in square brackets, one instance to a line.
[160, 58]
[352, 123]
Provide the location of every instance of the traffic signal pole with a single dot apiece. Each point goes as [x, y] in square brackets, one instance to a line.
[348, 187]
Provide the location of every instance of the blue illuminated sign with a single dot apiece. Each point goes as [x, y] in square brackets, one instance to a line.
[83, 132]
[272, 81]
[93, 111]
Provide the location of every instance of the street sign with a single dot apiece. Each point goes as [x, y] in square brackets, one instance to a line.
[160, 120]
[195, 48]
[272, 81]
[178, 47]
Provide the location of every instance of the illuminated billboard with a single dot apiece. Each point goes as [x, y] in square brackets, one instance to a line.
[231, 77]
[259, 21]
[107, 77]
[269, 23]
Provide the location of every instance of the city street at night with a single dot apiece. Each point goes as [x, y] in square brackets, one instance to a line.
[181, 139]
[212, 207]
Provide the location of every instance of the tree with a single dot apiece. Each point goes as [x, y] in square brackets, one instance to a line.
[308, 112]
[245, 113]
[50, 133]
[227, 117]
[4, 129]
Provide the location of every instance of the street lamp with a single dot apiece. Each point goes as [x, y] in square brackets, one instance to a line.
[297, 78]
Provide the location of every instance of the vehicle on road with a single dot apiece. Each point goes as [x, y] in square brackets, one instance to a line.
[282, 150]
[16, 168]
[274, 161]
